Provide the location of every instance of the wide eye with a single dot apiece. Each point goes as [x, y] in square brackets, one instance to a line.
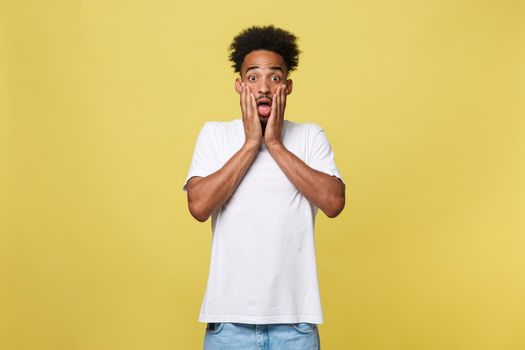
[276, 78]
[252, 78]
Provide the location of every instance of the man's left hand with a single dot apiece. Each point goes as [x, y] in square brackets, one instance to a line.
[274, 127]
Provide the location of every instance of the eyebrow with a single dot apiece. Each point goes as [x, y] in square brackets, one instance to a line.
[272, 68]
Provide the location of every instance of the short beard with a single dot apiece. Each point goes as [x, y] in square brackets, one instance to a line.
[264, 121]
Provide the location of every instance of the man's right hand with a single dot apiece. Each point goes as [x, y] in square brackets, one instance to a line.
[207, 194]
[250, 117]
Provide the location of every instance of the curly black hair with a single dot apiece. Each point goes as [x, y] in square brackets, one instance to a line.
[264, 38]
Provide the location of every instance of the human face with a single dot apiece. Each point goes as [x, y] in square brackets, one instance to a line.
[263, 72]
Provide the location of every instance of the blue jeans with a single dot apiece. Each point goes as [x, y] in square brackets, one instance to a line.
[242, 336]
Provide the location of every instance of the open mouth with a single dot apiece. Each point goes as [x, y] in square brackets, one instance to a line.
[264, 107]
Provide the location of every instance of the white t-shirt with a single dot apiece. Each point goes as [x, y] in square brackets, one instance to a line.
[263, 264]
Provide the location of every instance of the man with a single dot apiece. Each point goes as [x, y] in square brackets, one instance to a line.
[262, 178]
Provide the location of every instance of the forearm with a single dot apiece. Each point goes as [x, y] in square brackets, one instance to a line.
[206, 194]
[324, 191]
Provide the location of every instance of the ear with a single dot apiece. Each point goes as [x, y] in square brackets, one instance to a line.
[238, 85]
[289, 86]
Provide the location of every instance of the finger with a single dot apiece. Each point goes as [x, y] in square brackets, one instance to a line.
[283, 100]
[247, 108]
[243, 100]
[249, 98]
[253, 105]
[278, 103]
[274, 107]
[247, 93]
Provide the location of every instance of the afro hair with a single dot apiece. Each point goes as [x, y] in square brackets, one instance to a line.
[264, 38]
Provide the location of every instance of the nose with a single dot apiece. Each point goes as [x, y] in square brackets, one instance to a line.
[264, 87]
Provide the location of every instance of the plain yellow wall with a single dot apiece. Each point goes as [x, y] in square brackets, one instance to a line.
[423, 103]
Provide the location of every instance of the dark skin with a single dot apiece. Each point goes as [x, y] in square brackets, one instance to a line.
[263, 80]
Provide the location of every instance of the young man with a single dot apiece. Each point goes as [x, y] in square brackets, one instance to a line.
[262, 179]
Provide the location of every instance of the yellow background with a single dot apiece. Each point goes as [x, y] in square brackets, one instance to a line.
[422, 101]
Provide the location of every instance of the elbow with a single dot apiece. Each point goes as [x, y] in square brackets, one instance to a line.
[198, 212]
[196, 204]
[337, 202]
[200, 218]
[336, 207]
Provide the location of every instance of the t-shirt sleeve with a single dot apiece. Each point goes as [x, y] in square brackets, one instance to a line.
[321, 155]
[204, 161]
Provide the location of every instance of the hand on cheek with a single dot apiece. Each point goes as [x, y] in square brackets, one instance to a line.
[250, 118]
[272, 135]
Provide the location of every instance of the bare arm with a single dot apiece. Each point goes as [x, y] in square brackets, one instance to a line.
[206, 194]
[324, 191]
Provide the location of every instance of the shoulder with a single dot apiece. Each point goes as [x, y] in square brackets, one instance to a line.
[307, 129]
[218, 127]
[305, 126]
